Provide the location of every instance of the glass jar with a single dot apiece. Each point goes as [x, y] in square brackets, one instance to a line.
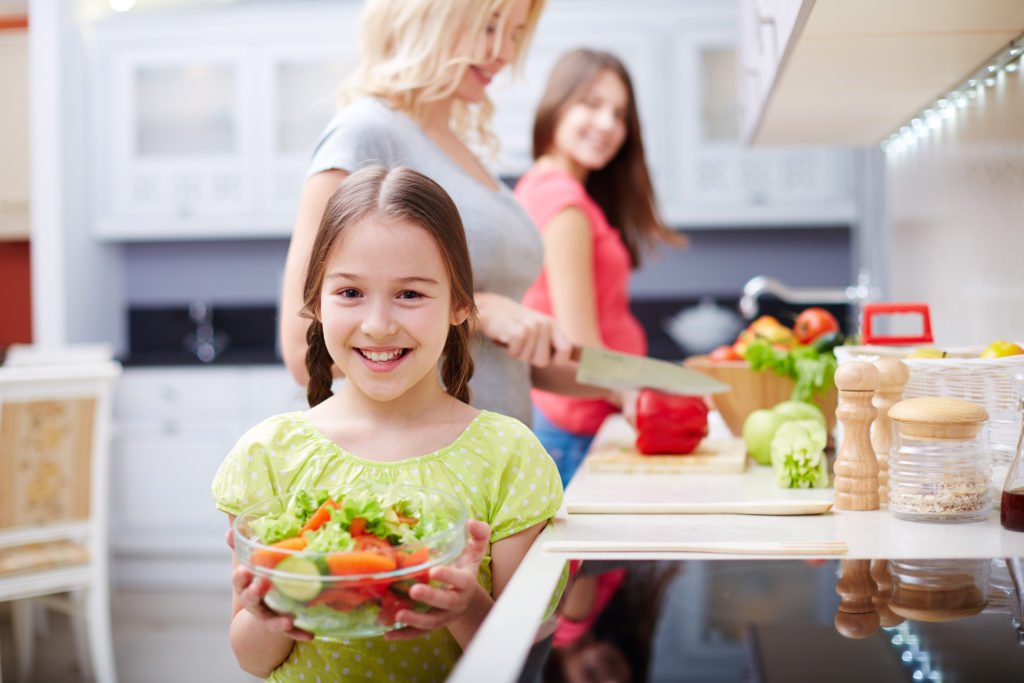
[939, 462]
[939, 590]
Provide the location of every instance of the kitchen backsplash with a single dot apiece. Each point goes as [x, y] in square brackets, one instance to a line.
[717, 262]
[957, 220]
[202, 333]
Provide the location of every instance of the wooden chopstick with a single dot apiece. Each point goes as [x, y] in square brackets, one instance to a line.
[723, 547]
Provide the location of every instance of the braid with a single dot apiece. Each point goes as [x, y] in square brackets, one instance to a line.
[457, 367]
[318, 365]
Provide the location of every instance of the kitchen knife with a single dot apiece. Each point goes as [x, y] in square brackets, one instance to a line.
[614, 370]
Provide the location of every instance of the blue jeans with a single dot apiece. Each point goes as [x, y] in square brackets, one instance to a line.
[565, 448]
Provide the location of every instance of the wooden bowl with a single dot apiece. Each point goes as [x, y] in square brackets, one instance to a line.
[753, 389]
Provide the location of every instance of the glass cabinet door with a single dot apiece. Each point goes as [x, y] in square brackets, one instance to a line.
[302, 90]
[721, 179]
[180, 135]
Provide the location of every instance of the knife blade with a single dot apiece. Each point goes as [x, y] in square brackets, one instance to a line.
[614, 370]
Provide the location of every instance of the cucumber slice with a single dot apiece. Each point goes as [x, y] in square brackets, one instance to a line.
[300, 589]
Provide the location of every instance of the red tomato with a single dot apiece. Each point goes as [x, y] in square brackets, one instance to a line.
[723, 353]
[813, 323]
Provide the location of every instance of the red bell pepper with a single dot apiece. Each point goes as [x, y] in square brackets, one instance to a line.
[669, 423]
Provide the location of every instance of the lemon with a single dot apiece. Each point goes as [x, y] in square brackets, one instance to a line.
[1000, 348]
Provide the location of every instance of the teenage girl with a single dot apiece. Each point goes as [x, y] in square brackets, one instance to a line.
[389, 299]
[590, 195]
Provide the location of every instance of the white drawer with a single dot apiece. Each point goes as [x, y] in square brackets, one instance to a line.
[204, 394]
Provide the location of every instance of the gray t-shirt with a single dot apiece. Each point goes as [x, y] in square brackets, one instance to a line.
[505, 247]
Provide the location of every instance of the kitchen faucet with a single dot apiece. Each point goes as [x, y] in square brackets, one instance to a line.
[857, 295]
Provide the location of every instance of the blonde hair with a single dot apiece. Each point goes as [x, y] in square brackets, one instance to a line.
[409, 56]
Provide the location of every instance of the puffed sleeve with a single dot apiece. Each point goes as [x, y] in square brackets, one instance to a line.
[248, 474]
[546, 196]
[526, 489]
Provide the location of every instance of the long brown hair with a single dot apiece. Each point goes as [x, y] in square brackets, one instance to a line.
[623, 187]
[405, 194]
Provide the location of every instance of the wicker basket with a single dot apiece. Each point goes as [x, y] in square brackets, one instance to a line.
[985, 381]
[753, 389]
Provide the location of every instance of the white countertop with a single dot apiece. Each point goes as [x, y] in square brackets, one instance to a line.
[504, 639]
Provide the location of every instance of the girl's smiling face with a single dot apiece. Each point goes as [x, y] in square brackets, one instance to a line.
[386, 308]
[480, 74]
[591, 130]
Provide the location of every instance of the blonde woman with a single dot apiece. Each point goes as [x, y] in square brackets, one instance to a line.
[418, 98]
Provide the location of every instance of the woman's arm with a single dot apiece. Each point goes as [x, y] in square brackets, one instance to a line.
[317, 190]
[569, 268]
[527, 335]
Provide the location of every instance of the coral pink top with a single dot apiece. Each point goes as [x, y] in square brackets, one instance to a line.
[545, 192]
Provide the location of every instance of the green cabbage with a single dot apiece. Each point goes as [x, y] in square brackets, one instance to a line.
[798, 455]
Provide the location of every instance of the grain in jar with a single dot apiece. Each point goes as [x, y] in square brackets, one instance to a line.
[939, 463]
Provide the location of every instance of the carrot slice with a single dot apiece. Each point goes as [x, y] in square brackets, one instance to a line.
[418, 556]
[269, 558]
[320, 517]
[359, 563]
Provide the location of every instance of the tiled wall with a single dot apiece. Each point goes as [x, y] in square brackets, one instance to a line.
[956, 212]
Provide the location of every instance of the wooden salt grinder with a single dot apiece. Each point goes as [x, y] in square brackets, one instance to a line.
[856, 616]
[893, 375]
[856, 468]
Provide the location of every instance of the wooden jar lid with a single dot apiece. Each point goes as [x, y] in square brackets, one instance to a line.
[938, 417]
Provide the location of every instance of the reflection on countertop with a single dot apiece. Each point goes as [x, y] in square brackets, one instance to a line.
[783, 621]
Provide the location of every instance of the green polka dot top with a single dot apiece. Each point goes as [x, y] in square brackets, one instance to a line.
[497, 467]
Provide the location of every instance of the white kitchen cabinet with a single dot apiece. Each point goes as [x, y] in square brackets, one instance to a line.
[206, 120]
[210, 136]
[682, 59]
[173, 427]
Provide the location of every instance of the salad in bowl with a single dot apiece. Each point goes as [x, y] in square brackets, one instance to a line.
[341, 562]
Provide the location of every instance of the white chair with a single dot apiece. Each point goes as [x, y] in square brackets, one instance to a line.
[54, 460]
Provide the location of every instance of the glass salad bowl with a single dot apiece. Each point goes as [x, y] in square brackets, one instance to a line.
[342, 561]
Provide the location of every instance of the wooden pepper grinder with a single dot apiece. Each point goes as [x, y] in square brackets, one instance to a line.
[856, 616]
[883, 594]
[856, 468]
[893, 375]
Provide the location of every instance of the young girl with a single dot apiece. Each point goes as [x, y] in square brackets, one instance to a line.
[590, 194]
[389, 298]
[418, 98]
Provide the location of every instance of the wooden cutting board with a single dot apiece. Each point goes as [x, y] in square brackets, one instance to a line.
[725, 455]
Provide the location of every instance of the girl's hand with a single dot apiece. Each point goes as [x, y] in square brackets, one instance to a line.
[527, 335]
[457, 597]
[250, 590]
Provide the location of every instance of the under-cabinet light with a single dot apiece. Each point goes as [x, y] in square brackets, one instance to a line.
[946, 106]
